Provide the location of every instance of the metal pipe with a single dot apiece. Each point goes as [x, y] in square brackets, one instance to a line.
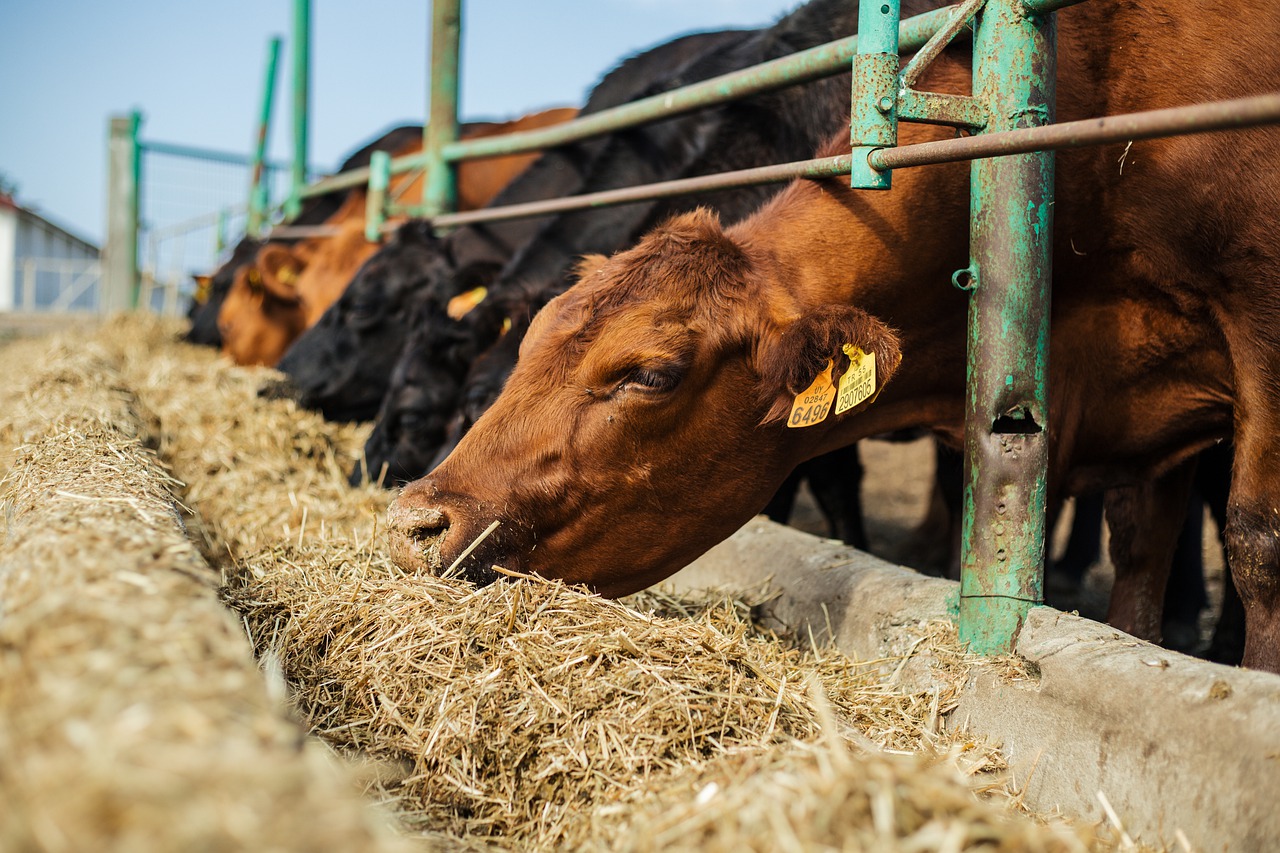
[301, 103]
[440, 195]
[941, 39]
[376, 201]
[1040, 7]
[820, 168]
[1240, 113]
[1006, 399]
[1199, 118]
[301, 232]
[205, 154]
[258, 189]
[802, 67]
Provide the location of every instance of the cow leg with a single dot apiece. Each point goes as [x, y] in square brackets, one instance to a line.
[1253, 539]
[1144, 521]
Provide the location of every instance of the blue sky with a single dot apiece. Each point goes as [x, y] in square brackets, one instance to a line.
[195, 72]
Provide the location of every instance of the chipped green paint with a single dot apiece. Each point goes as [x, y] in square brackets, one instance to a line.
[1011, 223]
[874, 113]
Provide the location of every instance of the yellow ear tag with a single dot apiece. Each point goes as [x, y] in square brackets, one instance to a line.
[462, 304]
[813, 403]
[859, 381]
[506, 325]
[287, 275]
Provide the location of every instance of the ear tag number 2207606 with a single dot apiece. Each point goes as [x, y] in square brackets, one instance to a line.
[813, 403]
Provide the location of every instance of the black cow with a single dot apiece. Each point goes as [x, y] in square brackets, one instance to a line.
[785, 125]
[315, 210]
[342, 365]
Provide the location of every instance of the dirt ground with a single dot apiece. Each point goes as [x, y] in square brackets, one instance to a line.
[896, 491]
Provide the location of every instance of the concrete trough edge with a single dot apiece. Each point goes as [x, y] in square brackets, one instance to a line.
[1174, 745]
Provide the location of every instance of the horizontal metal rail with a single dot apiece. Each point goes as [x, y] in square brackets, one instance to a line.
[802, 67]
[1173, 121]
[1220, 115]
[205, 154]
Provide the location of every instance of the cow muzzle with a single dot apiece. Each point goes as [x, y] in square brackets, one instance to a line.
[429, 536]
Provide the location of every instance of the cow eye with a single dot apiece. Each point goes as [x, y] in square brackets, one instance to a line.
[653, 379]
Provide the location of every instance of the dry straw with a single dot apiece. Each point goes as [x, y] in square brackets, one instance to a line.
[132, 716]
[533, 716]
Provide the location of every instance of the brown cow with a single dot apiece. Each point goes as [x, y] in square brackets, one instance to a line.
[646, 418]
[294, 284]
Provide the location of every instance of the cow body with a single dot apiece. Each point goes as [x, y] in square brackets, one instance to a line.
[429, 386]
[646, 418]
[315, 210]
[296, 283]
[343, 365]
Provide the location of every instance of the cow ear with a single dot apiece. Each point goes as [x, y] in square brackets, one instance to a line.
[280, 267]
[792, 359]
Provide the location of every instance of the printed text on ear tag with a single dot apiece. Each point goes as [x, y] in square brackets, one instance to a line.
[813, 403]
[859, 381]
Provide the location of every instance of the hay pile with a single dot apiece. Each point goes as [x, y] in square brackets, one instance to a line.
[532, 715]
[132, 716]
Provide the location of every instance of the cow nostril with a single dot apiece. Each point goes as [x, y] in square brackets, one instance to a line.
[421, 534]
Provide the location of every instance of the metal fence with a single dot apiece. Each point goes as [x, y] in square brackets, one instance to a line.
[1014, 47]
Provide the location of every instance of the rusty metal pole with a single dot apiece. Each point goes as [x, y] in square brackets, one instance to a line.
[440, 195]
[1006, 413]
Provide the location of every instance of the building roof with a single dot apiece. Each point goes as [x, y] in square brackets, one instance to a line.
[8, 203]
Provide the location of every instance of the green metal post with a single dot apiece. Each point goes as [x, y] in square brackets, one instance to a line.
[259, 191]
[301, 100]
[220, 232]
[441, 193]
[124, 179]
[1006, 413]
[376, 201]
[874, 119]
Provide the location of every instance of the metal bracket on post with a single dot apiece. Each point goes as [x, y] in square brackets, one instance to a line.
[874, 119]
[1006, 410]
[375, 211]
[441, 192]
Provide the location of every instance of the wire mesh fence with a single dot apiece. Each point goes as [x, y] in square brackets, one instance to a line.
[192, 208]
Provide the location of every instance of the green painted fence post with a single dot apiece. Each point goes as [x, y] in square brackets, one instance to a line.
[440, 193]
[301, 114]
[376, 199]
[259, 191]
[1006, 413]
[874, 118]
[124, 178]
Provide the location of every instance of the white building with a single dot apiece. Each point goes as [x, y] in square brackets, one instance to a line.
[43, 266]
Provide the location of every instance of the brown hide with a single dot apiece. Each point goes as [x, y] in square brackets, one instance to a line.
[301, 280]
[641, 423]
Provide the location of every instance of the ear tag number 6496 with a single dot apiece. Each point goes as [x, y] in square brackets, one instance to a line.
[813, 403]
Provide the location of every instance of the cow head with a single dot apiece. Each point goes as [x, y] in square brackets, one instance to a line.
[646, 420]
[342, 364]
[260, 316]
[204, 313]
[426, 385]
